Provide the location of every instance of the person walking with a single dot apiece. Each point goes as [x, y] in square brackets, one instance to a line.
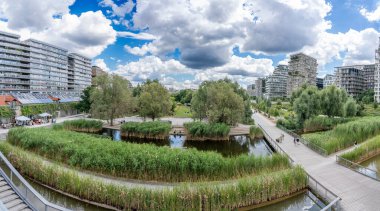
[295, 141]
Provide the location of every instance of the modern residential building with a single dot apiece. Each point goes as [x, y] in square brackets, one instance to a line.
[32, 66]
[328, 80]
[276, 83]
[377, 75]
[251, 90]
[369, 76]
[319, 83]
[351, 79]
[302, 70]
[260, 87]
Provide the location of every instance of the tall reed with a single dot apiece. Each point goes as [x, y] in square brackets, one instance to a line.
[83, 125]
[205, 131]
[255, 132]
[189, 196]
[139, 161]
[151, 130]
[364, 151]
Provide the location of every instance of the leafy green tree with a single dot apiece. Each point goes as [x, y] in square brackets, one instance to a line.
[85, 104]
[111, 98]
[184, 96]
[367, 96]
[332, 101]
[350, 108]
[307, 105]
[154, 100]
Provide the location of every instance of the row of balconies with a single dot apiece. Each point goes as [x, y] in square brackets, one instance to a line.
[14, 76]
[5, 81]
[17, 52]
[12, 63]
[14, 58]
[18, 47]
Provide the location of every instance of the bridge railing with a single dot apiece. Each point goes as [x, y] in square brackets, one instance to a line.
[320, 190]
[307, 143]
[25, 191]
[358, 168]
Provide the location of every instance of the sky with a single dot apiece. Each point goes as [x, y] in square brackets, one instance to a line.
[185, 42]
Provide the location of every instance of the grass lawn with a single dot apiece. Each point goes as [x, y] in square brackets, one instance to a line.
[182, 111]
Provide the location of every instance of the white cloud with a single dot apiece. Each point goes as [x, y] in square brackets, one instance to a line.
[100, 63]
[117, 10]
[139, 36]
[141, 51]
[371, 15]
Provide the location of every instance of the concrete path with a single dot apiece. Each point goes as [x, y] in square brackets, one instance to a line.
[358, 192]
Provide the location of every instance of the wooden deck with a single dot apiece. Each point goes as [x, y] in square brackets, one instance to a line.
[357, 192]
[10, 199]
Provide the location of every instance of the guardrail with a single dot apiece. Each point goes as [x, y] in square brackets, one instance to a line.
[307, 143]
[358, 168]
[25, 191]
[320, 190]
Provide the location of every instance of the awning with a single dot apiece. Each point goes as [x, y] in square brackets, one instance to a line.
[44, 115]
[22, 118]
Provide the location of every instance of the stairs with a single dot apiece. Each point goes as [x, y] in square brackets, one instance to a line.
[10, 199]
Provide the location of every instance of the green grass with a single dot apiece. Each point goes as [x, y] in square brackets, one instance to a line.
[255, 132]
[182, 111]
[369, 110]
[81, 125]
[323, 123]
[345, 135]
[139, 161]
[188, 196]
[369, 148]
[205, 131]
[152, 130]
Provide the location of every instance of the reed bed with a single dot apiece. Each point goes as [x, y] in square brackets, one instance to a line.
[82, 125]
[139, 161]
[255, 132]
[149, 130]
[366, 150]
[189, 196]
[200, 131]
[323, 123]
[345, 135]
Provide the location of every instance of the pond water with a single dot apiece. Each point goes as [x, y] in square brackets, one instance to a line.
[373, 164]
[304, 201]
[237, 145]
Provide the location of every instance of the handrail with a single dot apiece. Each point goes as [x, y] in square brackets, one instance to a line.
[309, 144]
[30, 195]
[324, 193]
[358, 168]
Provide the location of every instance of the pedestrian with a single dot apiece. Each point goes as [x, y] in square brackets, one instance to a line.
[295, 140]
[356, 144]
[298, 141]
[282, 137]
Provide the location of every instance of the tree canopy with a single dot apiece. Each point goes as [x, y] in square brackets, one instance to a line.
[332, 101]
[85, 104]
[111, 98]
[307, 104]
[154, 100]
[184, 96]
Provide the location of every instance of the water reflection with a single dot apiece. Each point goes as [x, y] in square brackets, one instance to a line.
[372, 164]
[304, 201]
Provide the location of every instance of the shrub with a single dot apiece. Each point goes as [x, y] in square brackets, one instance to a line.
[290, 124]
[364, 151]
[255, 132]
[138, 161]
[83, 125]
[322, 123]
[206, 131]
[152, 130]
[345, 135]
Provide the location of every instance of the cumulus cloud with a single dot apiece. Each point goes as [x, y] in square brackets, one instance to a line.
[371, 15]
[118, 10]
[138, 36]
[100, 63]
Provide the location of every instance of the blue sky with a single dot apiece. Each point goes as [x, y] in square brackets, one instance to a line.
[183, 43]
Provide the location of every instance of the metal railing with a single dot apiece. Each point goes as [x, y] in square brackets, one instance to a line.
[358, 168]
[24, 190]
[307, 143]
[321, 191]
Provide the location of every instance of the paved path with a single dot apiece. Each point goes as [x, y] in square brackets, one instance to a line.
[358, 192]
[9, 198]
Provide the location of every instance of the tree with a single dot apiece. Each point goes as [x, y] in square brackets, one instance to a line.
[184, 96]
[367, 96]
[350, 108]
[154, 100]
[85, 104]
[307, 105]
[111, 98]
[332, 101]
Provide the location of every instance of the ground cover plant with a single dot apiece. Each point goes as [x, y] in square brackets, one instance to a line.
[151, 130]
[345, 135]
[364, 151]
[188, 196]
[139, 161]
[255, 132]
[207, 131]
[182, 111]
[323, 123]
[83, 125]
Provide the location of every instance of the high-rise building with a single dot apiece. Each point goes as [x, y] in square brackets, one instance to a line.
[369, 76]
[351, 79]
[251, 90]
[277, 82]
[319, 83]
[302, 70]
[260, 87]
[328, 80]
[377, 74]
[32, 66]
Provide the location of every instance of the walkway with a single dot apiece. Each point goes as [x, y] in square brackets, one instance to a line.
[9, 199]
[358, 192]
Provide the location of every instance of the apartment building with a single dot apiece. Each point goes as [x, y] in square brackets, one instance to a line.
[260, 87]
[302, 70]
[32, 66]
[328, 80]
[276, 83]
[377, 75]
[319, 83]
[251, 90]
[351, 79]
[369, 76]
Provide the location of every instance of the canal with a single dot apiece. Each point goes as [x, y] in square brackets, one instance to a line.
[373, 164]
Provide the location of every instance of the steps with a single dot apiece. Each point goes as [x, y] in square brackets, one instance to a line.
[10, 199]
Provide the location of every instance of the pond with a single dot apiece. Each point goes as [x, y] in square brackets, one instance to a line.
[237, 145]
[303, 201]
[373, 164]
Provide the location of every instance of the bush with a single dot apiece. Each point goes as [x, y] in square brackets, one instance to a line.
[322, 123]
[152, 130]
[82, 125]
[364, 151]
[204, 131]
[290, 124]
[139, 161]
[345, 135]
[255, 132]
[246, 191]
[350, 108]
